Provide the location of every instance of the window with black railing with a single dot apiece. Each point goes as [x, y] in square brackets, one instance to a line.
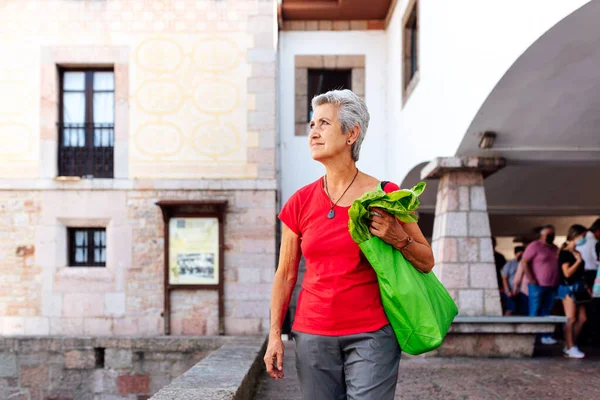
[86, 127]
[87, 247]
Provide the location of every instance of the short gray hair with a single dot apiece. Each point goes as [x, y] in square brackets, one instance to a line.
[352, 112]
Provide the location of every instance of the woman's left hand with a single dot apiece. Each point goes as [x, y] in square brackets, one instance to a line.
[386, 227]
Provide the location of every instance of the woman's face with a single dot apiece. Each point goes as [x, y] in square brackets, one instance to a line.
[573, 243]
[326, 139]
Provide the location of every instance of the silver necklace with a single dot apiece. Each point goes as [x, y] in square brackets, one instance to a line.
[331, 212]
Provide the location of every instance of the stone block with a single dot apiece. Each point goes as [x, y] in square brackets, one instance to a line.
[13, 326]
[195, 326]
[251, 309]
[301, 109]
[446, 250]
[8, 365]
[470, 302]
[486, 250]
[242, 326]
[359, 26]
[358, 81]
[312, 25]
[449, 199]
[125, 326]
[468, 249]
[464, 203]
[478, 200]
[249, 275]
[329, 61]
[483, 276]
[118, 358]
[325, 25]
[308, 61]
[375, 25]
[479, 224]
[98, 326]
[453, 275]
[35, 377]
[492, 305]
[515, 346]
[263, 55]
[104, 381]
[83, 305]
[114, 304]
[37, 326]
[149, 326]
[80, 359]
[455, 224]
[133, 384]
[341, 25]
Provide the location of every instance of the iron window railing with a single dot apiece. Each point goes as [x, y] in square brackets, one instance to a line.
[86, 150]
[87, 247]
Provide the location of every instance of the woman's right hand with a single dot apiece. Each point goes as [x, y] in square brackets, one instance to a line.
[577, 255]
[274, 357]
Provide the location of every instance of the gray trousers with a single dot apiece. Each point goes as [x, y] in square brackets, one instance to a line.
[353, 367]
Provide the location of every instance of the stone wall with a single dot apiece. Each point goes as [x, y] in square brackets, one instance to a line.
[94, 369]
[42, 295]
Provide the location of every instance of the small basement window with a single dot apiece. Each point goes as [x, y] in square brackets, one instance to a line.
[87, 247]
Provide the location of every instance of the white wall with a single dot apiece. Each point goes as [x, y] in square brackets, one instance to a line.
[297, 166]
[465, 48]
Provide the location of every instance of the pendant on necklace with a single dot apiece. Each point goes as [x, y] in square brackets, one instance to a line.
[331, 214]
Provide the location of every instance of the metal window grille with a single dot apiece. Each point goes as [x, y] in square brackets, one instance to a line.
[86, 126]
[87, 247]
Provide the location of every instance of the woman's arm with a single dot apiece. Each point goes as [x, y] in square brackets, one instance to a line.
[283, 287]
[568, 270]
[386, 227]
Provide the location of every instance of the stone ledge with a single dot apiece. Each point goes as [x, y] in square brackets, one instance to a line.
[229, 373]
[491, 336]
[515, 325]
[32, 344]
[442, 165]
[138, 184]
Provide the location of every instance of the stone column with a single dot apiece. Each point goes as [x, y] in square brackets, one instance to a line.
[462, 242]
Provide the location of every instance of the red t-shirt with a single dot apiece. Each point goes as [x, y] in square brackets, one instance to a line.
[340, 294]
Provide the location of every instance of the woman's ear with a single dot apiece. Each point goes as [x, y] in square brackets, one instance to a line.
[354, 134]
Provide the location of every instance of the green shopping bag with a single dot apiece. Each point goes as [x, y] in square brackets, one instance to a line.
[419, 308]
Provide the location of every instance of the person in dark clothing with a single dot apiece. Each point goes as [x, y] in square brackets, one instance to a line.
[572, 279]
[500, 261]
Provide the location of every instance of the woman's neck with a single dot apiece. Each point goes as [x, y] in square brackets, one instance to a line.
[340, 174]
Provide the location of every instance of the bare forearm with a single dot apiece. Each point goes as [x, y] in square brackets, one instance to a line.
[283, 287]
[419, 255]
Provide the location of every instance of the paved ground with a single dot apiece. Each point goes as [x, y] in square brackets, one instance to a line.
[547, 376]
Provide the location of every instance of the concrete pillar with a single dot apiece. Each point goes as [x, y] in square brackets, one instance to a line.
[462, 242]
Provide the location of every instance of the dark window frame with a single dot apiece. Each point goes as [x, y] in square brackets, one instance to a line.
[345, 74]
[90, 247]
[410, 49]
[85, 170]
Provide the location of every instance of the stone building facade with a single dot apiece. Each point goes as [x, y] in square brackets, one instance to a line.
[193, 119]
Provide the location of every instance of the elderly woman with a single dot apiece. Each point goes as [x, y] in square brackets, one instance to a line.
[345, 347]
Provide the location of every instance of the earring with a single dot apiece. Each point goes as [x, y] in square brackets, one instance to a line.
[348, 142]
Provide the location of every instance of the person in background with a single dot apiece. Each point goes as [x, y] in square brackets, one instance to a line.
[572, 275]
[587, 249]
[508, 276]
[499, 261]
[590, 250]
[521, 290]
[540, 261]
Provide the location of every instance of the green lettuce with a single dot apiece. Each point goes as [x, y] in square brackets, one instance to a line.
[401, 203]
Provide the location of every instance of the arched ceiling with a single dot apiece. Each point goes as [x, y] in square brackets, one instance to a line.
[547, 105]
